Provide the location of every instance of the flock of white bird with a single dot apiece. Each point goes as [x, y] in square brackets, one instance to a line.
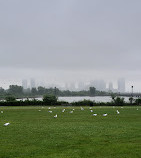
[55, 116]
[81, 108]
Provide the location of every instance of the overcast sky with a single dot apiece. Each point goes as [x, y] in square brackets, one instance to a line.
[70, 40]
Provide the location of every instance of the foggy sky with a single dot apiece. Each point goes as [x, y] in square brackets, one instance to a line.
[70, 40]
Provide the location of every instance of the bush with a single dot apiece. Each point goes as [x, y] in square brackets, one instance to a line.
[118, 101]
[49, 99]
[10, 98]
[83, 103]
[138, 101]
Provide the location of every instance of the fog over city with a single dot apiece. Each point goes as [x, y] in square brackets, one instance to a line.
[65, 41]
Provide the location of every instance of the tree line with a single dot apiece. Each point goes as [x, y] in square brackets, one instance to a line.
[19, 92]
[52, 100]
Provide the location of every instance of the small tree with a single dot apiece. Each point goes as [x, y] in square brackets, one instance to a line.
[138, 101]
[49, 99]
[118, 100]
[131, 99]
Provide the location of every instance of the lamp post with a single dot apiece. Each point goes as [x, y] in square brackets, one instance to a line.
[132, 91]
[132, 95]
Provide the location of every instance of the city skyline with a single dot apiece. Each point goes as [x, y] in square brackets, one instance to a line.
[72, 85]
[100, 85]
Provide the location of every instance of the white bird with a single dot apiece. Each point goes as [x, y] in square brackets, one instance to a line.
[2, 112]
[39, 110]
[82, 108]
[73, 109]
[6, 124]
[55, 116]
[105, 114]
[71, 112]
[94, 114]
[118, 112]
[63, 110]
[137, 109]
[49, 108]
[50, 111]
[91, 110]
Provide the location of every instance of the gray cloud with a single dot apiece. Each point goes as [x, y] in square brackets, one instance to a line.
[72, 37]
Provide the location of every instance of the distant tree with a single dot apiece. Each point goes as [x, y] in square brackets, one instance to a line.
[1, 90]
[10, 98]
[15, 89]
[41, 90]
[92, 91]
[49, 99]
[33, 91]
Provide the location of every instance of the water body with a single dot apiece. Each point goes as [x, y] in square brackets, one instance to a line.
[75, 99]
[96, 99]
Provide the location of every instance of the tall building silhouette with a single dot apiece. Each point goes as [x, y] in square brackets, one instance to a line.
[32, 83]
[99, 85]
[24, 84]
[121, 85]
[111, 87]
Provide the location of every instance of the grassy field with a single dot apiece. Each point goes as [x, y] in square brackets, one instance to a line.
[37, 134]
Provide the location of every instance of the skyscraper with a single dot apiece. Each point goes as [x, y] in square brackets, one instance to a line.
[111, 87]
[99, 85]
[24, 84]
[121, 85]
[32, 83]
[81, 85]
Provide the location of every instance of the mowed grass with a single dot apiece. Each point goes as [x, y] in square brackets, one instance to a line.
[37, 134]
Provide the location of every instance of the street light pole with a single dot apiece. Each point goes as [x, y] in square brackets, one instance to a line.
[132, 95]
[132, 91]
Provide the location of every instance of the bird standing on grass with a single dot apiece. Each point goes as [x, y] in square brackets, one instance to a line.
[63, 110]
[94, 114]
[105, 114]
[6, 124]
[118, 112]
[55, 116]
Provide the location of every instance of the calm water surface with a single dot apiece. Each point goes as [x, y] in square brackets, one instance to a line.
[96, 99]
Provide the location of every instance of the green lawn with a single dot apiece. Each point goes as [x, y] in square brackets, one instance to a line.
[37, 134]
